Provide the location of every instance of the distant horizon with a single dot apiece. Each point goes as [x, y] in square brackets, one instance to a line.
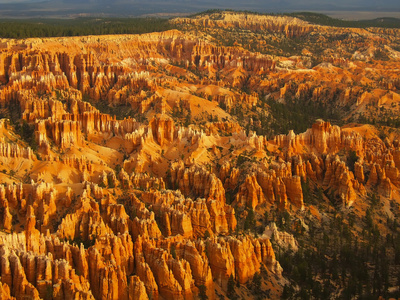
[343, 15]
[342, 9]
[359, 15]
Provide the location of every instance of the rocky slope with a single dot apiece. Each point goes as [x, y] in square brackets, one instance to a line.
[143, 167]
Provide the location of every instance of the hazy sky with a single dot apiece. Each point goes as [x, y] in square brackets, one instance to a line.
[57, 8]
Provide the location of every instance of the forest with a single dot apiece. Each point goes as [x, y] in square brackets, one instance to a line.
[31, 28]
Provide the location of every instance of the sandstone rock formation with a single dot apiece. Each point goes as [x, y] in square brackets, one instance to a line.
[129, 163]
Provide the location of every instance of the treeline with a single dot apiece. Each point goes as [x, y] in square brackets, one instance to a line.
[273, 118]
[100, 26]
[390, 121]
[321, 19]
[80, 26]
[351, 256]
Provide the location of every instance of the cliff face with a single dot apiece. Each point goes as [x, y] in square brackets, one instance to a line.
[101, 245]
[291, 27]
[136, 167]
[59, 64]
[321, 138]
